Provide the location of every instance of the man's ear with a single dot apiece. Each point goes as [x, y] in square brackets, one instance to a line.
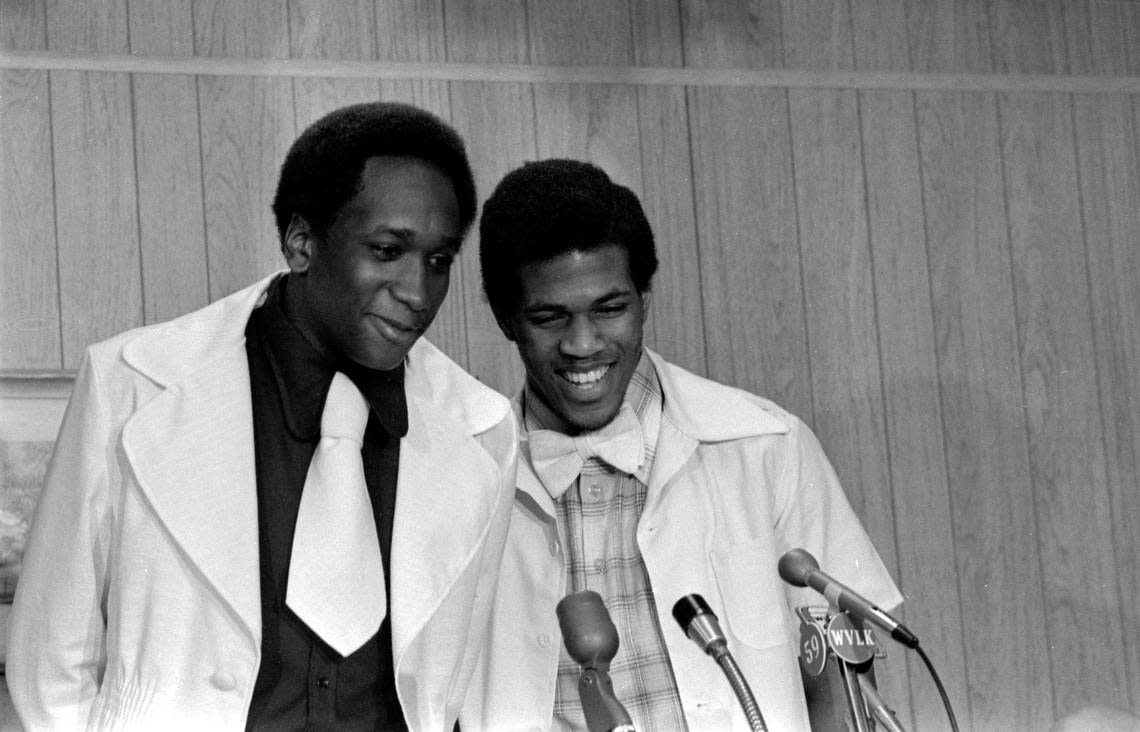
[298, 244]
[646, 301]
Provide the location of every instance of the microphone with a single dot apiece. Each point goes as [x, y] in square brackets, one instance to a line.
[798, 567]
[700, 624]
[592, 641]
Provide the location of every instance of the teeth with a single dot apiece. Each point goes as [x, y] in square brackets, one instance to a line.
[585, 379]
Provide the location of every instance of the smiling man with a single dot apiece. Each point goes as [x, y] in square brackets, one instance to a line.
[282, 511]
[640, 481]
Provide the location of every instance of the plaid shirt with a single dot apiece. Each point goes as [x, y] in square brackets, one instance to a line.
[597, 525]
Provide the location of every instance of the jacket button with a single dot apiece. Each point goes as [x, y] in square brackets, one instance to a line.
[223, 681]
[544, 641]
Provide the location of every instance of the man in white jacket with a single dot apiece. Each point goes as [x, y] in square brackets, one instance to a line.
[640, 481]
[157, 590]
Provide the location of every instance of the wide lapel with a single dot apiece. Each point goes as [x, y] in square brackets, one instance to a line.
[191, 447]
[443, 514]
[674, 445]
[529, 488]
[699, 410]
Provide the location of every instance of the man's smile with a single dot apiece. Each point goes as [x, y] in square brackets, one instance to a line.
[396, 331]
[585, 380]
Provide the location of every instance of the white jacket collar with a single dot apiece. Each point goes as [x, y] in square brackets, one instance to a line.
[429, 376]
[712, 412]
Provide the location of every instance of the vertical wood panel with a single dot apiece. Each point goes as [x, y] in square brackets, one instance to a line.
[925, 536]
[590, 122]
[321, 30]
[579, 32]
[675, 328]
[94, 168]
[247, 125]
[1028, 37]
[949, 36]
[879, 28]
[843, 347]
[718, 34]
[341, 30]
[241, 30]
[96, 208]
[76, 26]
[751, 295]
[172, 233]
[29, 294]
[842, 343]
[999, 573]
[1108, 152]
[413, 30]
[1059, 375]
[817, 34]
[497, 121]
[23, 26]
[752, 299]
[314, 97]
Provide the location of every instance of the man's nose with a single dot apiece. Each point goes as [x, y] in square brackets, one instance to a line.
[411, 286]
[582, 339]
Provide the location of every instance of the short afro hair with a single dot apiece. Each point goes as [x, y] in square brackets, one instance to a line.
[549, 207]
[322, 170]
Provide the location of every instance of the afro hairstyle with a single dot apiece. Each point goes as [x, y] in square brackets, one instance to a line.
[549, 207]
[322, 169]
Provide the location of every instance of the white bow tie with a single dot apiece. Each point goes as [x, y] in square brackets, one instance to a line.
[557, 458]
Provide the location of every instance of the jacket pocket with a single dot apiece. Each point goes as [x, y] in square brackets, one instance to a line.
[754, 609]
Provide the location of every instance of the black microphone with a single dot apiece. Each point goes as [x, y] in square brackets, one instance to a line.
[798, 567]
[592, 640]
[699, 623]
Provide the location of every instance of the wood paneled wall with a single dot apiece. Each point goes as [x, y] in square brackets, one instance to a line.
[915, 223]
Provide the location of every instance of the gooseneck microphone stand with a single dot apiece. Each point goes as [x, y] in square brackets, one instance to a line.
[700, 624]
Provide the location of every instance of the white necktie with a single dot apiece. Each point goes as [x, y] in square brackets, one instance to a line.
[557, 458]
[336, 576]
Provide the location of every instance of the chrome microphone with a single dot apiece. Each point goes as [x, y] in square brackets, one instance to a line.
[700, 624]
[798, 567]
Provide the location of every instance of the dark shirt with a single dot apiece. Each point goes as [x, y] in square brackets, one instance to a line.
[303, 683]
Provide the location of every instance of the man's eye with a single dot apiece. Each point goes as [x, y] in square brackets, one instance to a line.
[441, 262]
[611, 311]
[545, 320]
[386, 252]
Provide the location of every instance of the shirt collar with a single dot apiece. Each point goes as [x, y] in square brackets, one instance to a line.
[303, 374]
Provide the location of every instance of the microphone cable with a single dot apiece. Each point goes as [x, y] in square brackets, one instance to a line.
[938, 684]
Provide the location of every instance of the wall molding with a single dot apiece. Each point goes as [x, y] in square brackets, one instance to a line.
[48, 384]
[533, 74]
